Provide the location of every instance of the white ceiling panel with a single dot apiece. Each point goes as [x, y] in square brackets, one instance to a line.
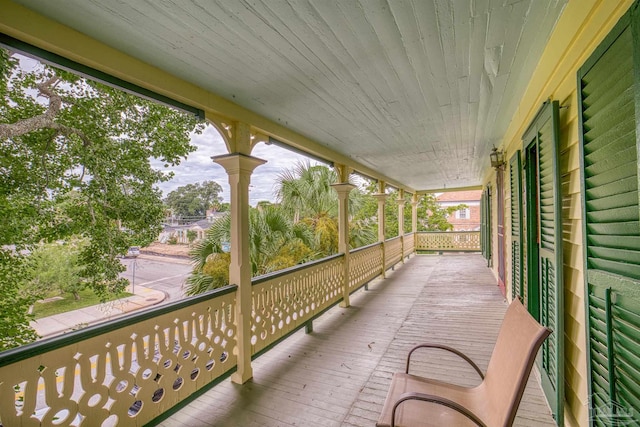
[418, 89]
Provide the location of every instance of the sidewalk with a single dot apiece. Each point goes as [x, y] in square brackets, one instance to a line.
[65, 322]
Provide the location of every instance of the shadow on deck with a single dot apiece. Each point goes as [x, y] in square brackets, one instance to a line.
[339, 374]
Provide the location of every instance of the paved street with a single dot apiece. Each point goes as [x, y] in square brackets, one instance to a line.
[158, 280]
[164, 274]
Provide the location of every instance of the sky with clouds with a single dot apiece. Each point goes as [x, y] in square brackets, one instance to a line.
[198, 167]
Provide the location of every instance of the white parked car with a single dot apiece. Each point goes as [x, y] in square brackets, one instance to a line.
[133, 251]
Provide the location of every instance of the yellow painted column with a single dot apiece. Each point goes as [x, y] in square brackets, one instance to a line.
[415, 200]
[401, 203]
[382, 197]
[343, 190]
[414, 214]
[239, 168]
[381, 202]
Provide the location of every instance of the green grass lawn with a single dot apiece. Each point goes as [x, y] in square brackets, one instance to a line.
[68, 303]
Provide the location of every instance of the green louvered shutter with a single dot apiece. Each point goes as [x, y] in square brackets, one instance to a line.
[612, 227]
[543, 132]
[548, 282]
[485, 227]
[515, 168]
[483, 248]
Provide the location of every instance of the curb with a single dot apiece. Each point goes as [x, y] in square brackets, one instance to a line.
[91, 315]
[143, 252]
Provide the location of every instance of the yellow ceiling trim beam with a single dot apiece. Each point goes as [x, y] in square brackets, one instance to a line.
[449, 190]
[30, 27]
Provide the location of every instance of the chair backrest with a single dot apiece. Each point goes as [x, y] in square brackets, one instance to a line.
[518, 342]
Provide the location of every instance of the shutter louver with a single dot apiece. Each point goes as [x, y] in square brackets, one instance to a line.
[612, 231]
[515, 168]
[547, 248]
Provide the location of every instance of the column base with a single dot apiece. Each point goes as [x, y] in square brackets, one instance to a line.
[238, 378]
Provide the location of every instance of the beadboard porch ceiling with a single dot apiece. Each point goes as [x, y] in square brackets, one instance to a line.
[419, 90]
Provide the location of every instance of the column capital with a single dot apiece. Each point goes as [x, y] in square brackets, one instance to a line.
[238, 136]
[238, 163]
[343, 188]
[381, 196]
[343, 171]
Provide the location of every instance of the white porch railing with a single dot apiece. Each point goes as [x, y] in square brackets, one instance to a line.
[125, 372]
[365, 264]
[409, 244]
[455, 241]
[392, 252]
[138, 369]
[286, 300]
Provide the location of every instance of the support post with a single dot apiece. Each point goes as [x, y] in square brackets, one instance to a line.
[382, 197]
[414, 219]
[239, 168]
[401, 203]
[343, 190]
[414, 213]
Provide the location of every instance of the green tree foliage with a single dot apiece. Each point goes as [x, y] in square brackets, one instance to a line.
[391, 214]
[432, 216]
[56, 269]
[15, 301]
[214, 274]
[193, 200]
[368, 212]
[75, 160]
[191, 236]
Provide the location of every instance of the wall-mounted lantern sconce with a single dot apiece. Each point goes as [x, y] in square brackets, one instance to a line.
[497, 158]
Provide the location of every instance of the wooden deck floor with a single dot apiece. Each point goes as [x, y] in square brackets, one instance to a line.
[339, 374]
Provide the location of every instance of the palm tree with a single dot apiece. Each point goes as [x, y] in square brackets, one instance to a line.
[305, 192]
[274, 243]
[209, 250]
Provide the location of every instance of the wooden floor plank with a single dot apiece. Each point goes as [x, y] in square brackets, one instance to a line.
[339, 374]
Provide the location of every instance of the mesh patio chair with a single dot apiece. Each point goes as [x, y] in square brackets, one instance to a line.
[417, 401]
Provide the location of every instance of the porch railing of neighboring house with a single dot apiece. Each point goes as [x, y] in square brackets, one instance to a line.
[454, 241]
[145, 366]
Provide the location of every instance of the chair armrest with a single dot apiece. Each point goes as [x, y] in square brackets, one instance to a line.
[438, 400]
[447, 348]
